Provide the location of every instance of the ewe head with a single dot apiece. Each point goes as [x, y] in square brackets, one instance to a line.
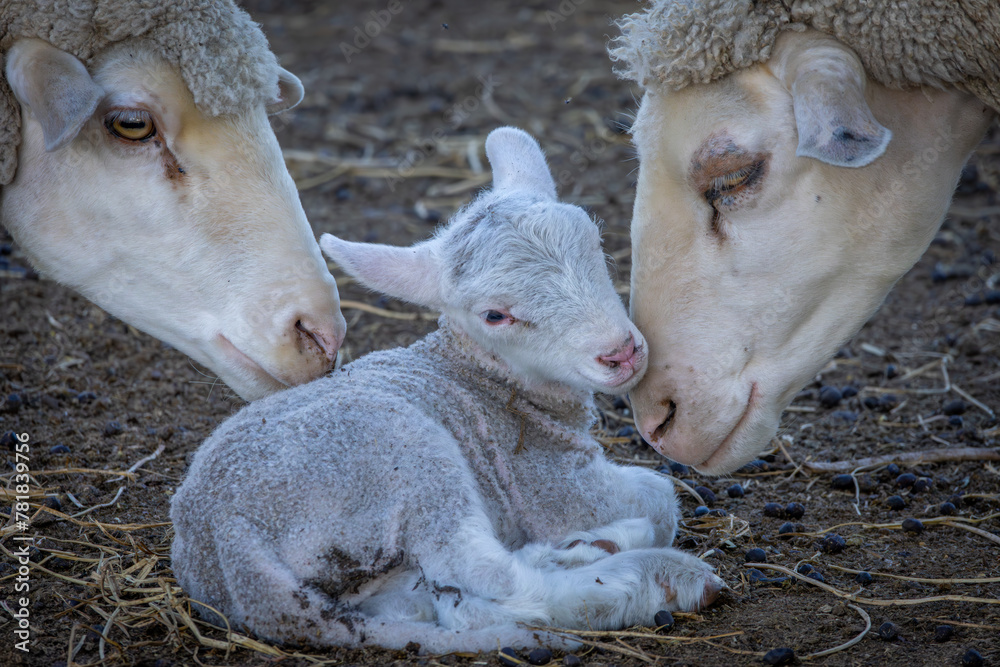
[773, 213]
[184, 224]
[522, 274]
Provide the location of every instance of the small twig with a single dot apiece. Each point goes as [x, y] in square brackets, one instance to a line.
[920, 580]
[973, 529]
[107, 504]
[848, 644]
[908, 458]
[970, 399]
[382, 312]
[875, 602]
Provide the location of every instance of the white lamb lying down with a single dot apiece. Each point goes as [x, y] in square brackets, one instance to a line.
[448, 492]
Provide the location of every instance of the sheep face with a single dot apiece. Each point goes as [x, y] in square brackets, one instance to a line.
[758, 251]
[185, 225]
[521, 274]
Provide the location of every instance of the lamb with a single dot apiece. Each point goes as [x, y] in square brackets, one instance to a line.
[795, 160]
[134, 144]
[448, 492]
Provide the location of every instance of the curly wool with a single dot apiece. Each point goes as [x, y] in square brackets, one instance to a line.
[221, 54]
[938, 43]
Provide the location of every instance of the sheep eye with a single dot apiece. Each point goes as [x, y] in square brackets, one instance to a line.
[496, 317]
[731, 183]
[131, 124]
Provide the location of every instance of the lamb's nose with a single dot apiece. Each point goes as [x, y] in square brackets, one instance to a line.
[625, 355]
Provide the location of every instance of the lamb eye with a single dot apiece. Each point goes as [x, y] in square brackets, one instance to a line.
[734, 181]
[494, 317]
[131, 124]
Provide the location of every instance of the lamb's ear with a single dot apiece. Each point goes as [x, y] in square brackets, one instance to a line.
[518, 162]
[411, 274]
[55, 86]
[827, 84]
[290, 92]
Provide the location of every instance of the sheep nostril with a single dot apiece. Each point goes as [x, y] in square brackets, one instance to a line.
[665, 424]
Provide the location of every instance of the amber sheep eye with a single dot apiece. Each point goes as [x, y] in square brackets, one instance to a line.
[131, 124]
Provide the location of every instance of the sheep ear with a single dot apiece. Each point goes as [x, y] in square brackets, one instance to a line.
[827, 84]
[411, 274]
[55, 86]
[290, 93]
[518, 162]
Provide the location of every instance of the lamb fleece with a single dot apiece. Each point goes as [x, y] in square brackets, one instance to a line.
[221, 53]
[556, 485]
[938, 43]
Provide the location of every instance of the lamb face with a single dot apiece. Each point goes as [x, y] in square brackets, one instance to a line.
[520, 273]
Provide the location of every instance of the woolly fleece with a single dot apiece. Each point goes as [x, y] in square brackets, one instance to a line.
[938, 43]
[220, 52]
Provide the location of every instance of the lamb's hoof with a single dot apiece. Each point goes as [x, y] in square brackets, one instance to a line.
[712, 589]
[606, 545]
[574, 543]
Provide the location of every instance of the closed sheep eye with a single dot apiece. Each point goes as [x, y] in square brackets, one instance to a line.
[130, 124]
[733, 182]
[496, 317]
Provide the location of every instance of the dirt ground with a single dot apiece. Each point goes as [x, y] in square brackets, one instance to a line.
[388, 142]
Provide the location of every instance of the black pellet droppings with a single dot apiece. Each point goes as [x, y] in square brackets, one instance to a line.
[913, 526]
[804, 568]
[923, 484]
[795, 510]
[956, 407]
[679, 468]
[830, 397]
[817, 576]
[888, 631]
[906, 479]
[891, 371]
[972, 658]
[895, 503]
[955, 499]
[774, 510]
[718, 511]
[787, 527]
[992, 297]
[974, 300]
[540, 656]
[59, 449]
[52, 503]
[86, 397]
[505, 656]
[663, 621]
[572, 661]
[832, 544]
[625, 432]
[14, 402]
[779, 656]
[756, 575]
[887, 402]
[843, 482]
[943, 633]
[849, 391]
[947, 509]
[870, 402]
[892, 469]
[706, 494]
[755, 555]
[755, 466]
[112, 428]
[848, 416]
[701, 510]
[864, 578]
[735, 491]
[956, 421]
[8, 440]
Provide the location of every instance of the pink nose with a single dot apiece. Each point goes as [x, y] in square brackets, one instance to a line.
[623, 356]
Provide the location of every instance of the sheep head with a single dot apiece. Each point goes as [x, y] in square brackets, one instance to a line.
[520, 273]
[186, 225]
[773, 214]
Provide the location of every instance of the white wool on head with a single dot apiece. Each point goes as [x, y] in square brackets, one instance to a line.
[676, 43]
[221, 53]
